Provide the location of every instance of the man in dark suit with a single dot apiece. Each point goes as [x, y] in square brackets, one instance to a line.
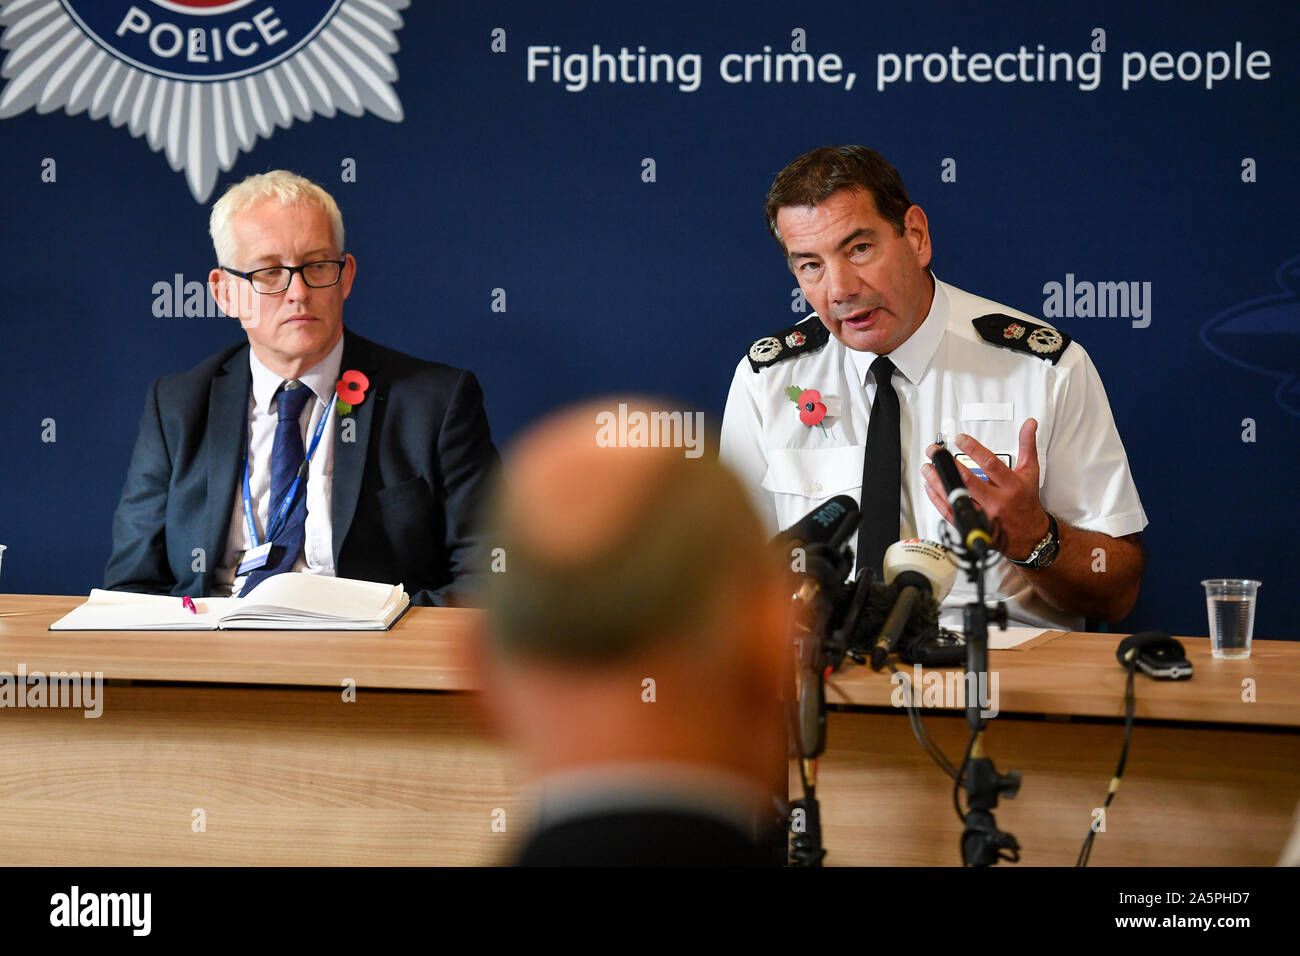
[384, 486]
[635, 651]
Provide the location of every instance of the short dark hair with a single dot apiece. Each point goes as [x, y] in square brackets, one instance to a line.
[813, 177]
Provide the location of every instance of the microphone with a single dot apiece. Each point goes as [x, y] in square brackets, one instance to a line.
[823, 535]
[972, 524]
[917, 568]
[830, 526]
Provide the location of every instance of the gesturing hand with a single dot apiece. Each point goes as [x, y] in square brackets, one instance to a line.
[1009, 497]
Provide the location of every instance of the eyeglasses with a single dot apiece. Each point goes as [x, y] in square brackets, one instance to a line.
[275, 279]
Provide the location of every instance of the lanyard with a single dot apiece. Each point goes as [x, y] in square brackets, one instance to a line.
[281, 516]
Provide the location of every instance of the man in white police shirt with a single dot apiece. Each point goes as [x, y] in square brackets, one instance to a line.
[1017, 396]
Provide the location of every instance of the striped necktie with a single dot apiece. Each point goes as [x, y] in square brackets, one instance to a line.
[287, 456]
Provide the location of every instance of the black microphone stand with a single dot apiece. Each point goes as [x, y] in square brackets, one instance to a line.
[821, 651]
[806, 846]
[982, 843]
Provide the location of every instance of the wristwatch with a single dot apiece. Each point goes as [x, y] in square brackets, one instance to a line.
[1045, 551]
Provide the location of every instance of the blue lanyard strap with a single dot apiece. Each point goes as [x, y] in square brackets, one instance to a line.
[282, 515]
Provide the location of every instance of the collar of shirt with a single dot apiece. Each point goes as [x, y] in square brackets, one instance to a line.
[912, 358]
[649, 786]
[320, 378]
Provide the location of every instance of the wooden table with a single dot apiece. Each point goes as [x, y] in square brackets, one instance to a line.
[252, 729]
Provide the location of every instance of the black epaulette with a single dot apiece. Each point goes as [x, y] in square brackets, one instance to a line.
[1021, 335]
[807, 336]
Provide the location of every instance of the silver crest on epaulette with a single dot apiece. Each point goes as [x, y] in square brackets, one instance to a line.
[1044, 341]
[765, 349]
[795, 339]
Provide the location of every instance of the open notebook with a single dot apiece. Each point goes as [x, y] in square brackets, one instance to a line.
[290, 601]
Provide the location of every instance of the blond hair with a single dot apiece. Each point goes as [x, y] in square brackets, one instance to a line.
[279, 184]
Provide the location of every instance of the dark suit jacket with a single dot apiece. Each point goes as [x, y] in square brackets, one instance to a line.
[644, 838]
[406, 491]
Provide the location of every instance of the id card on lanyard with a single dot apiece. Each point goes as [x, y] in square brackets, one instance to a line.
[257, 555]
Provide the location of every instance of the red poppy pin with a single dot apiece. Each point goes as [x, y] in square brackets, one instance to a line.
[811, 408]
[351, 391]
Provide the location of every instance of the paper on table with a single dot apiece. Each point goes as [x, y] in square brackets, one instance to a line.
[327, 597]
[112, 610]
[1000, 640]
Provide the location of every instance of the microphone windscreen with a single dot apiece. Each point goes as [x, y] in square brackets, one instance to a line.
[929, 559]
[830, 524]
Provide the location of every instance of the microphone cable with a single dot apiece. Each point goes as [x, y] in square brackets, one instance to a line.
[1130, 705]
[918, 725]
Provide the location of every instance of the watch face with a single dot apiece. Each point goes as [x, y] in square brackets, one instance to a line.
[1048, 555]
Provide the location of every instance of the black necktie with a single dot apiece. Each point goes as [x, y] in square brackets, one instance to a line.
[287, 456]
[882, 472]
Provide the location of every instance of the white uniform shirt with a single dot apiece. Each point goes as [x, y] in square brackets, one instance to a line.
[948, 380]
[318, 534]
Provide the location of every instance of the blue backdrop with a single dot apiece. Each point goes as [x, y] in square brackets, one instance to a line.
[1177, 170]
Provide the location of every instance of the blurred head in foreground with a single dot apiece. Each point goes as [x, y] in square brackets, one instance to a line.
[637, 642]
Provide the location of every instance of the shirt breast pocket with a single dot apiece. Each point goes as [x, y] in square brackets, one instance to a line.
[993, 425]
[801, 478]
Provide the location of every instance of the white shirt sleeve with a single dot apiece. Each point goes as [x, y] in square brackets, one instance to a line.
[1088, 483]
[742, 447]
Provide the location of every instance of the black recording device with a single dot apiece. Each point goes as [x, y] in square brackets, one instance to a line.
[934, 647]
[1155, 654]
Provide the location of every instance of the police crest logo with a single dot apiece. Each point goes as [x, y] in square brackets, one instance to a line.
[201, 80]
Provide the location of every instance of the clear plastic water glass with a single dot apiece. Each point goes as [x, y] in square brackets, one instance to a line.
[1230, 603]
